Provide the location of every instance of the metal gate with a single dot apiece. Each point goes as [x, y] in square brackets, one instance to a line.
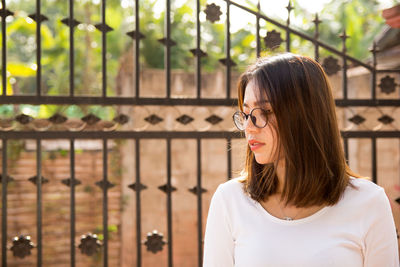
[22, 245]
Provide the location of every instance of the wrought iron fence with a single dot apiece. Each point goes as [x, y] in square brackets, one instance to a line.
[24, 127]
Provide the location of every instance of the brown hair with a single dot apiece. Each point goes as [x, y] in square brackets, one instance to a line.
[308, 135]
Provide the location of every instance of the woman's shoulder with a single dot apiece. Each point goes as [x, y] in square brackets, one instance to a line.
[363, 191]
[231, 188]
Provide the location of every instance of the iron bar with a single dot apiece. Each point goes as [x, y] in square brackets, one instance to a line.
[198, 54]
[289, 8]
[60, 100]
[373, 72]
[4, 48]
[137, 50]
[104, 50]
[228, 51]
[199, 206]
[72, 201]
[316, 36]
[169, 203]
[373, 160]
[4, 181]
[118, 135]
[138, 206]
[105, 203]
[167, 53]
[71, 49]
[229, 157]
[344, 68]
[258, 45]
[39, 201]
[38, 49]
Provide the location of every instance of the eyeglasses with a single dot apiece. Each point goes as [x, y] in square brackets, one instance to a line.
[258, 116]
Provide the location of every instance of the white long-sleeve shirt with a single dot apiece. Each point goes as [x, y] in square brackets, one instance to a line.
[358, 231]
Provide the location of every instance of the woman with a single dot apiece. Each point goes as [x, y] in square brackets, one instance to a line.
[297, 203]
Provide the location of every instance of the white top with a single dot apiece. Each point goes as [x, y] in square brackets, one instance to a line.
[358, 231]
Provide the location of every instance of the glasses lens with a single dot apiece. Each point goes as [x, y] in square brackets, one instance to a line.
[259, 117]
[239, 120]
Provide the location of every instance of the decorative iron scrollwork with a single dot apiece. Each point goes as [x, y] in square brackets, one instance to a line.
[213, 12]
[331, 65]
[67, 22]
[167, 189]
[154, 241]
[41, 17]
[357, 119]
[58, 118]
[135, 36]
[121, 119]
[23, 119]
[273, 39]
[91, 119]
[226, 62]
[90, 244]
[386, 119]
[214, 119]
[387, 85]
[184, 119]
[195, 189]
[103, 27]
[22, 246]
[101, 184]
[34, 180]
[135, 187]
[68, 182]
[153, 119]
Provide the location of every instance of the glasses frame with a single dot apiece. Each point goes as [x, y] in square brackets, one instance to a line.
[253, 118]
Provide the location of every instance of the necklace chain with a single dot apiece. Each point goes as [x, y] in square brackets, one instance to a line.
[285, 217]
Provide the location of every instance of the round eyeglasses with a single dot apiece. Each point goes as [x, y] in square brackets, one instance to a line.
[258, 116]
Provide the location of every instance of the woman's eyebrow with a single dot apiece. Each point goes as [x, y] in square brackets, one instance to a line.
[258, 103]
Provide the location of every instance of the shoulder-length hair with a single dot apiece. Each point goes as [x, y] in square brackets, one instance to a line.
[307, 132]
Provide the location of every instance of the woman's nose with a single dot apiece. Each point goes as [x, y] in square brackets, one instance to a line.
[249, 125]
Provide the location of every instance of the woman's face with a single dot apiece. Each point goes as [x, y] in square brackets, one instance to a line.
[262, 141]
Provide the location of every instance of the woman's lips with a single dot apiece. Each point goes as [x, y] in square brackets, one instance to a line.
[254, 145]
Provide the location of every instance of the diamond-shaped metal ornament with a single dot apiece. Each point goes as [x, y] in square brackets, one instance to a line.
[226, 62]
[41, 17]
[357, 119]
[9, 179]
[153, 119]
[386, 119]
[121, 119]
[195, 189]
[101, 184]
[214, 119]
[213, 12]
[8, 13]
[387, 85]
[22, 246]
[68, 182]
[34, 180]
[58, 118]
[273, 39]
[196, 52]
[91, 119]
[23, 119]
[165, 42]
[154, 241]
[134, 187]
[135, 36]
[289, 7]
[67, 22]
[331, 65]
[184, 119]
[90, 244]
[316, 21]
[103, 27]
[167, 189]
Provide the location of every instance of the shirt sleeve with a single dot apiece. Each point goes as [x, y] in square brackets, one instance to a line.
[381, 247]
[218, 240]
